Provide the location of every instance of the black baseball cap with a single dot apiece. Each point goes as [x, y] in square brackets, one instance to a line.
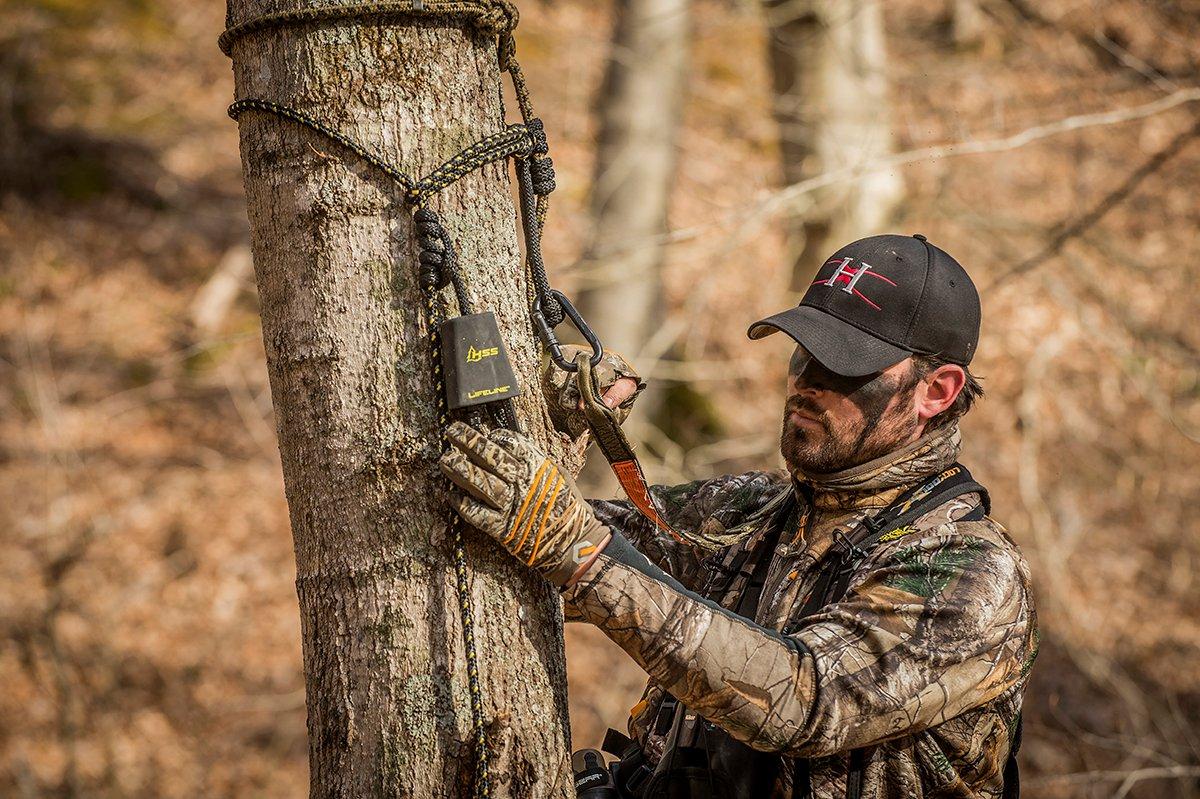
[877, 301]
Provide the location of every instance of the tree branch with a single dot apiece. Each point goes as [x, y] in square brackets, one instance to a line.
[783, 200]
[1066, 232]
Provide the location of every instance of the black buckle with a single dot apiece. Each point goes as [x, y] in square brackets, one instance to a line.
[849, 547]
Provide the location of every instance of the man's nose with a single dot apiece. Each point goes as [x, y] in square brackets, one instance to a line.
[802, 386]
[798, 387]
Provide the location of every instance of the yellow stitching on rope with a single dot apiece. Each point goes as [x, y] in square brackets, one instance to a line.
[537, 542]
[517, 521]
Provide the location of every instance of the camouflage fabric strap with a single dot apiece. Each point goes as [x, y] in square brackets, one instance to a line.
[605, 426]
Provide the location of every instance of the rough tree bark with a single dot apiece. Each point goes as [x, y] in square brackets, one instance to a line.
[349, 364]
[829, 70]
[639, 106]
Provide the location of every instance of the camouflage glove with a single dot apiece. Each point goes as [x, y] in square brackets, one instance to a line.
[561, 388]
[523, 499]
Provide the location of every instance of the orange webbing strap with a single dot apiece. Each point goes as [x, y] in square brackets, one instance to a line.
[607, 433]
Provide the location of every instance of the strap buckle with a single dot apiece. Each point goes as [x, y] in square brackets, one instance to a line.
[546, 333]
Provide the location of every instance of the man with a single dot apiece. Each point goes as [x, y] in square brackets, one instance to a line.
[857, 626]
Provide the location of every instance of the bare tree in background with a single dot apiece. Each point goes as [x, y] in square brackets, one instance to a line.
[349, 365]
[639, 107]
[829, 72]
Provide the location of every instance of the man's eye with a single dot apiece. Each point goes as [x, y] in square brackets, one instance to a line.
[818, 376]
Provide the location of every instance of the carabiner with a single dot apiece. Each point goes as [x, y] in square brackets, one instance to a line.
[546, 333]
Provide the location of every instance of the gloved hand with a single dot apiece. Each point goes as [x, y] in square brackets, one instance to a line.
[523, 499]
[561, 388]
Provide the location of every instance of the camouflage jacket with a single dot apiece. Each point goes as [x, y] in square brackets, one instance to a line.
[922, 663]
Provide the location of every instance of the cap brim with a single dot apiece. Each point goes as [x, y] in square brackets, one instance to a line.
[839, 346]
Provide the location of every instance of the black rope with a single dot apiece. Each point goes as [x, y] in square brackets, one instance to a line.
[498, 17]
[514, 140]
[236, 110]
[434, 317]
[536, 267]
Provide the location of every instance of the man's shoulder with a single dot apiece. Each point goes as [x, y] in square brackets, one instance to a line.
[967, 516]
[733, 499]
[719, 510]
[957, 537]
[743, 492]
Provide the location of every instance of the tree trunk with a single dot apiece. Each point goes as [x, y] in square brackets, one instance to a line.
[829, 69]
[639, 106]
[350, 370]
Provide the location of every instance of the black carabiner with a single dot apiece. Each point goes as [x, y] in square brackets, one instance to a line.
[546, 333]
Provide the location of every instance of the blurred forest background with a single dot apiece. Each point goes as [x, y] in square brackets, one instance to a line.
[710, 154]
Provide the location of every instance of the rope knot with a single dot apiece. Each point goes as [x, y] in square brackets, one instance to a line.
[541, 170]
[499, 18]
[538, 145]
[431, 273]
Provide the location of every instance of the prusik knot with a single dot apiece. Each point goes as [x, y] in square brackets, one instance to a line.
[433, 256]
[539, 145]
[541, 166]
[541, 172]
[499, 17]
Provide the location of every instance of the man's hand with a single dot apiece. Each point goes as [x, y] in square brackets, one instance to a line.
[523, 499]
[619, 386]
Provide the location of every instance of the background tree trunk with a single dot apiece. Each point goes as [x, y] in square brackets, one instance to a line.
[639, 106]
[829, 70]
[349, 364]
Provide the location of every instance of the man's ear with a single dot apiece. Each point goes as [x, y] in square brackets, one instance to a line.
[938, 390]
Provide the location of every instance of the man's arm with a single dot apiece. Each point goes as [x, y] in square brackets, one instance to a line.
[704, 512]
[936, 626]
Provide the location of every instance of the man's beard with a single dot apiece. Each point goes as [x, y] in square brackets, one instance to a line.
[806, 451]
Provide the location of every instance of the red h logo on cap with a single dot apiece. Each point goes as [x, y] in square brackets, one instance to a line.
[848, 277]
